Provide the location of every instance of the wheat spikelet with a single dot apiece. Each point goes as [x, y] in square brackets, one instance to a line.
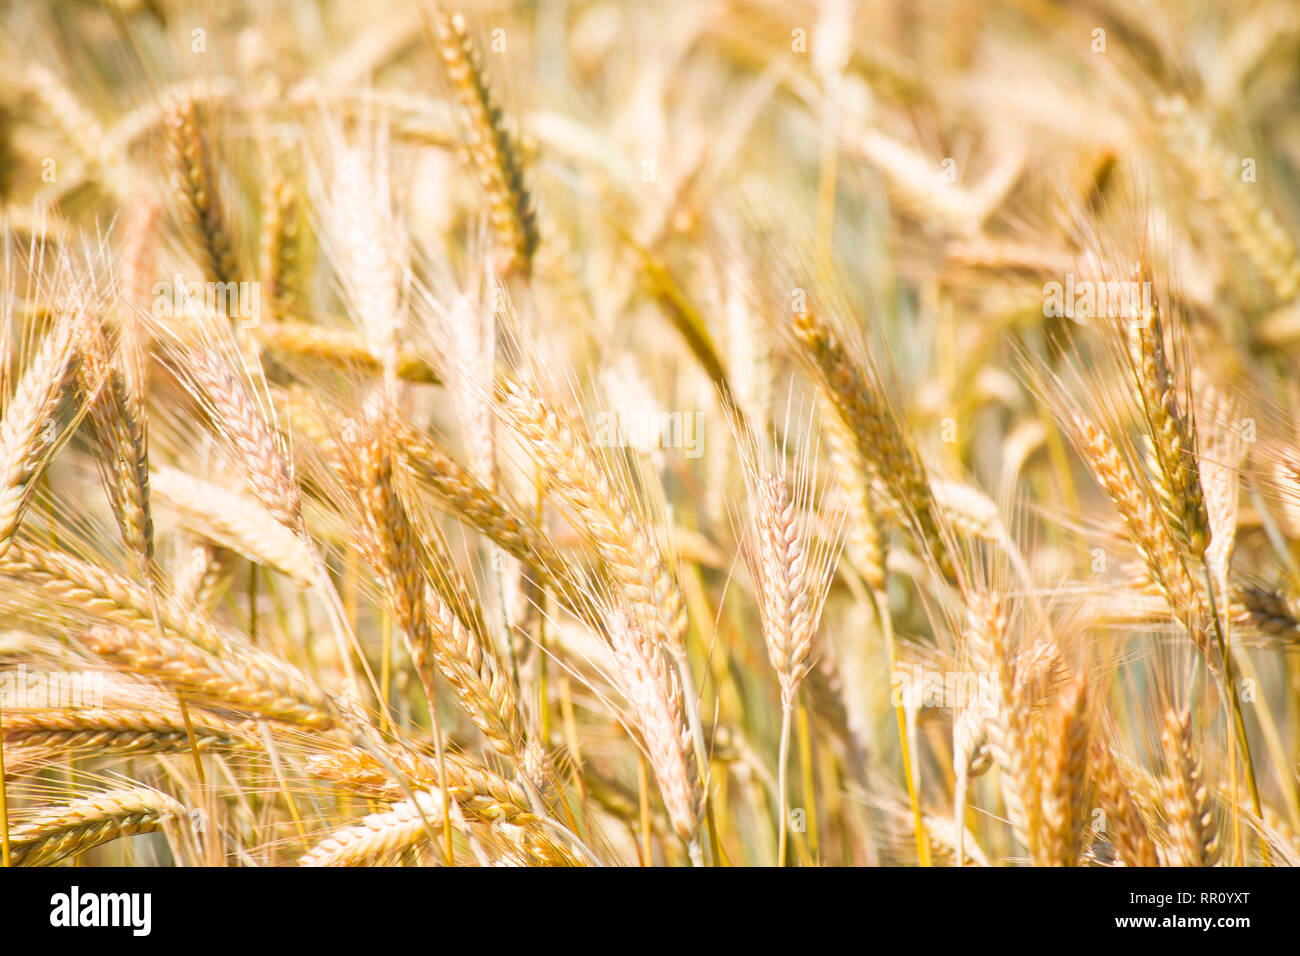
[367, 243]
[339, 348]
[104, 593]
[865, 538]
[1251, 225]
[880, 440]
[122, 445]
[918, 185]
[654, 698]
[1010, 734]
[487, 510]
[1274, 613]
[1150, 534]
[482, 795]
[442, 629]
[204, 578]
[482, 684]
[788, 616]
[1171, 441]
[280, 249]
[75, 121]
[791, 564]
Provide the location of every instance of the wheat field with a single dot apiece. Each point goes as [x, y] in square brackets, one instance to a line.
[604, 433]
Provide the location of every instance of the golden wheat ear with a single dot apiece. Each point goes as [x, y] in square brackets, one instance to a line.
[493, 150]
[196, 182]
[54, 833]
[28, 430]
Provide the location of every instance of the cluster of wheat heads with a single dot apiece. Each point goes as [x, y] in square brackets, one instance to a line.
[737, 432]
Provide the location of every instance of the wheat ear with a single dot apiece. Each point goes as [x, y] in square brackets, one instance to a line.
[121, 444]
[194, 177]
[496, 157]
[484, 797]
[118, 731]
[244, 682]
[441, 628]
[237, 521]
[54, 833]
[1188, 803]
[882, 443]
[26, 430]
[1126, 828]
[105, 594]
[1064, 778]
[261, 450]
[654, 698]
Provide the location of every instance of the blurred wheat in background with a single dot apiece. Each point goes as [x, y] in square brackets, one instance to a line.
[698, 432]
